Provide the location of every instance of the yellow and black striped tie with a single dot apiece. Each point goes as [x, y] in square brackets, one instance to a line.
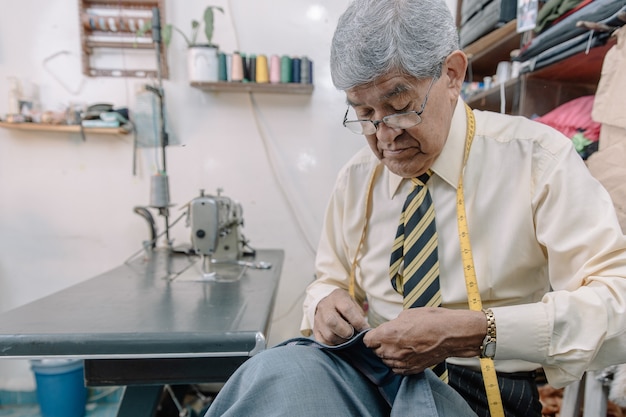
[415, 249]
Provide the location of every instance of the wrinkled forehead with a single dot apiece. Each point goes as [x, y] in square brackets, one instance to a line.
[382, 90]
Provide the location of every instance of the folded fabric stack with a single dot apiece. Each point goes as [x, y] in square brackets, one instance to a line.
[565, 36]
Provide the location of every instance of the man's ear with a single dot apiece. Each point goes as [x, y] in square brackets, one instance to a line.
[454, 68]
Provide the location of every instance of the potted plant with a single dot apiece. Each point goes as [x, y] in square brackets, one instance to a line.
[202, 58]
[208, 18]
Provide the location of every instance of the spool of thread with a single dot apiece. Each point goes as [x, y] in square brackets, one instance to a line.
[159, 191]
[304, 70]
[275, 69]
[252, 68]
[246, 68]
[222, 68]
[296, 64]
[229, 66]
[236, 74]
[503, 72]
[261, 69]
[285, 69]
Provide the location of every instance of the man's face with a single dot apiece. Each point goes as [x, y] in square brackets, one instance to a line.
[405, 152]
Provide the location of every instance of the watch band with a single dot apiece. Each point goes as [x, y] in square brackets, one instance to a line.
[488, 348]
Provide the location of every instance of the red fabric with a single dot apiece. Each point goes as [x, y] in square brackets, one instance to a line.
[572, 117]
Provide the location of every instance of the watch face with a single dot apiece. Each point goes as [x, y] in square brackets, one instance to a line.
[490, 350]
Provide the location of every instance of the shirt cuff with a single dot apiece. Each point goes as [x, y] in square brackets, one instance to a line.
[522, 332]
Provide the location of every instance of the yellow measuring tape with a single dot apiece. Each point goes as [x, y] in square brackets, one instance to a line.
[473, 294]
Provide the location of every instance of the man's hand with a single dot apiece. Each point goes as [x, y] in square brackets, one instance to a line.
[337, 318]
[421, 337]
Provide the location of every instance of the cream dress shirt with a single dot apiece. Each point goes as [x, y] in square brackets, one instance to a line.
[537, 220]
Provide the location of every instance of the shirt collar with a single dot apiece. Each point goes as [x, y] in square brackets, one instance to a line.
[449, 164]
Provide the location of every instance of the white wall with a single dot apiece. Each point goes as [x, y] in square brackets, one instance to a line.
[66, 205]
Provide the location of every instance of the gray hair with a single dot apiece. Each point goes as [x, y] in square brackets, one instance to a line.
[374, 37]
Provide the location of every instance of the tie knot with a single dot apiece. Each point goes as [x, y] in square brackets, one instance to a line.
[422, 179]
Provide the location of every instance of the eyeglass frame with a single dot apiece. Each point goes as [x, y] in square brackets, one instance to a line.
[375, 123]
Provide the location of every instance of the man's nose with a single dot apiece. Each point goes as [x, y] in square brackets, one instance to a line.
[387, 134]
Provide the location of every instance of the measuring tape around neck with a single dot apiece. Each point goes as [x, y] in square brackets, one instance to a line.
[473, 294]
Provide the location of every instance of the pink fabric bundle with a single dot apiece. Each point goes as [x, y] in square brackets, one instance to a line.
[573, 117]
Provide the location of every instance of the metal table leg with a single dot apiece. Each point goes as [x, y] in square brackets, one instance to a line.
[140, 401]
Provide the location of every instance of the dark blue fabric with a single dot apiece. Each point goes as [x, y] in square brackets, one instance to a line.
[362, 358]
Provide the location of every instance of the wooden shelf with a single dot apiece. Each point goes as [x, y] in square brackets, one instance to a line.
[238, 87]
[496, 46]
[582, 67]
[536, 92]
[42, 127]
[490, 99]
[529, 95]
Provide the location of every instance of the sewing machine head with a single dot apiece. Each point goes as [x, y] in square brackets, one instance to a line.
[215, 223]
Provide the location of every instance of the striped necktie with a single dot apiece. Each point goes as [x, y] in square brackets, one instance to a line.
[414, 266]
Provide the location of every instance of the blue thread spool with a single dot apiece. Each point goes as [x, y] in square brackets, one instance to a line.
[304, 70]
[252, 68]
[246, 68]
[296, 64]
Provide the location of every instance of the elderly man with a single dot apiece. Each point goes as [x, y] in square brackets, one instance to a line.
[458, 237]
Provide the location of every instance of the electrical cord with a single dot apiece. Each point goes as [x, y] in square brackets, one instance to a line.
[145, 213]
[153, 241]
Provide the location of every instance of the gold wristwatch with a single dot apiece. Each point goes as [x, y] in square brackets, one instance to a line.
[488, 348]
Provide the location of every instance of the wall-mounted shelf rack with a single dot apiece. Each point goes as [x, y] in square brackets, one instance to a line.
[109, 28]
[239, 87]
[538, 92]
[42, 127]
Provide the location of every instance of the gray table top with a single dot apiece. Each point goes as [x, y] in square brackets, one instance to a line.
[136, 310]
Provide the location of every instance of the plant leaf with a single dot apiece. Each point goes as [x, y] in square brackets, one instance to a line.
[208, 21]
[195, 25]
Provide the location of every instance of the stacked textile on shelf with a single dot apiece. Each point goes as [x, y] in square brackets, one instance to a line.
[479, 17]
[566, 36]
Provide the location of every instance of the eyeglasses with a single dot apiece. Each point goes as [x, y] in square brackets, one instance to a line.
[394, 121]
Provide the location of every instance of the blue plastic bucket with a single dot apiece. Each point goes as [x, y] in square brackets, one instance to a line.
[61, 390]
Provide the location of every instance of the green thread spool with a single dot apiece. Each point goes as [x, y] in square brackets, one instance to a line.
[285, 69]
[222, 73]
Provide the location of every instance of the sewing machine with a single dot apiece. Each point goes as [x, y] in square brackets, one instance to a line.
[216, 238]
[215, 223]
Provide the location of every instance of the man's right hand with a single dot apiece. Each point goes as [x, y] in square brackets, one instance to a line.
[337, 318]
